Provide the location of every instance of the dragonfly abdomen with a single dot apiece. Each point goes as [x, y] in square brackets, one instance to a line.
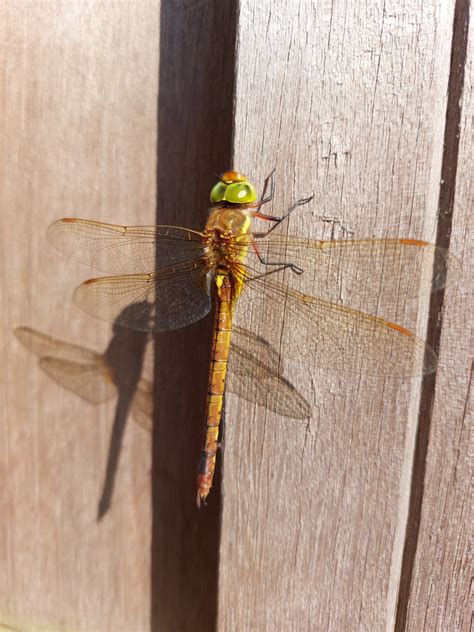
[216, 384]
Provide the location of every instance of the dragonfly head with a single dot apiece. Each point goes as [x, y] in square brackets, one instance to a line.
[233, 187]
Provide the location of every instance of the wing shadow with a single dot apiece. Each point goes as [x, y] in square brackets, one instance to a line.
[97, 378]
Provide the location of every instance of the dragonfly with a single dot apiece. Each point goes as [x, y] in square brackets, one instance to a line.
[180, 274]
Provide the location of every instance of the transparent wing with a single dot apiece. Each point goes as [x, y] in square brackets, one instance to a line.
[124, 249]
[247, 342]
[92, 382]
[382, 276]
[254, 374]
[338, 337]
[392, 258]
[42, 345]
[164, 300]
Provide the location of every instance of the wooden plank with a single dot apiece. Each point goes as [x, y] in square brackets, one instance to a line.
[438, 595]
[194, 141]
[348, 102]
[79, 138]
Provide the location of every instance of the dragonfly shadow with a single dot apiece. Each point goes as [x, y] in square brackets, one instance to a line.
[97, 378]
[124, 355]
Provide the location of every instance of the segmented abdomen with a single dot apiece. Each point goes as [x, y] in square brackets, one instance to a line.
[215, 391]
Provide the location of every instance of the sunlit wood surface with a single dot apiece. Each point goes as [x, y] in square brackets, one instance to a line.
[440, 587]
[348, 102]
[79, 138]
[120, 112]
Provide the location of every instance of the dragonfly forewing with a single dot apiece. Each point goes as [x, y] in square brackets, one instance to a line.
[392, 259]
[386, 277]
[124, 249]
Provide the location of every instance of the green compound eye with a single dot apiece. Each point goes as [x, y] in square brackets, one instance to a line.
[240, 193]
[218, 192]
[233, 190]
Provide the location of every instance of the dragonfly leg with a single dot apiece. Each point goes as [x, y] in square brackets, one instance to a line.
[269, 179]
[283, 265]
[277, 220]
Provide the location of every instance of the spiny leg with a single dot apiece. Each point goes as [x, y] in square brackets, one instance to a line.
[281, 265]
[334, 221]
[277, 220]
[263, 200]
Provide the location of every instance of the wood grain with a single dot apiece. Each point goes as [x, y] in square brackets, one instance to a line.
[79, 138]
[194, 141]
[439, 594]
[348, 101]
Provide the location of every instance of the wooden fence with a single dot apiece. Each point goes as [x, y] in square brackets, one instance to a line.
[358, 519]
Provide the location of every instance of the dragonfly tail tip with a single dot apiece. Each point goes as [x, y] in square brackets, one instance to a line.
[201, 499]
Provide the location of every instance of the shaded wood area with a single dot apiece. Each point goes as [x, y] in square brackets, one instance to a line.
[357, 518]
[197, 43]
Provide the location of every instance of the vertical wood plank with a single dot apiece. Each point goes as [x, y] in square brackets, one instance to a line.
[197, 44]
[78, 116]
[348, 102]
[435, 593]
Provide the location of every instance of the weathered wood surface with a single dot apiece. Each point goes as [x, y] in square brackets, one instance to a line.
[82, 136]
[439, 594]
[194, 141]
[347, 102]
[78, 138]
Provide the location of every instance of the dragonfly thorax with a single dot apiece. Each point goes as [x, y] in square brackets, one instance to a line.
[225, 229]
[228, 222]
